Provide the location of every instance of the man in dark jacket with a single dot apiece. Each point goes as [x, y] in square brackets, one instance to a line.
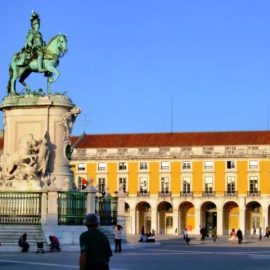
[239, 235]
[94, 245]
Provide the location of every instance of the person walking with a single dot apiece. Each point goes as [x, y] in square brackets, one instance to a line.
[239, 236]
[23, 243]
[118, 230]
[260, 233]
[94, 245]
[214, 234]
[185, 236]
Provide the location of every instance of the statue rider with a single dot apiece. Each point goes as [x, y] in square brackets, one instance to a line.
[34, 42]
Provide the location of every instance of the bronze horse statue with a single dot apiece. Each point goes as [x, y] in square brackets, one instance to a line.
[22, 66]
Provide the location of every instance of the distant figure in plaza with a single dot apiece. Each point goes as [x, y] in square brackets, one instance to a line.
[203, 233]
[55, 244]
[254, 233]
[232, 235]
[23, 243]
[239, 236]
[186, 237]
[214, 234]
[95, 246]
[267, 232]
[260, 233]
[118, 231]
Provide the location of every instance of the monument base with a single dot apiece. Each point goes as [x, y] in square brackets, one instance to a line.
[36, 141]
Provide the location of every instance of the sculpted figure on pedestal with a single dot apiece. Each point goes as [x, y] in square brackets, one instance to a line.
[36, 56]
[29, 162]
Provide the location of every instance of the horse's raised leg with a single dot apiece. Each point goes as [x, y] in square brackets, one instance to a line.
[24, 75]
[55, 72]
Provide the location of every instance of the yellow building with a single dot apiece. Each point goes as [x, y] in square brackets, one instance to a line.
[173, 181]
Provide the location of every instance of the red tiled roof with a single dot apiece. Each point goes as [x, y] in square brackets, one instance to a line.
[174, 139]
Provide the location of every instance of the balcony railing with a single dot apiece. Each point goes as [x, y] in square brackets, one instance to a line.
[164, 194]
[208, 193]
[253, 193]
[186, 194]
[143, 194]
[230, 193]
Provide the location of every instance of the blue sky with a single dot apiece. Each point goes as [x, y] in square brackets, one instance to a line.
[137, 66]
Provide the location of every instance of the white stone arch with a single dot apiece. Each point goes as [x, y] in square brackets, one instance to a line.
[230, 216]
[143, 216]
[253, 218]
[186, 216]
[165, 218]
[209, 215]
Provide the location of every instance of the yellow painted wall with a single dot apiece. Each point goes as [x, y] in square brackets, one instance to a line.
[264, 177]
[154, 177]
[197, 177]
[242, 179]
[112, 176]
[175, 177]
[91, 169]
[219, 186]
[133, 186]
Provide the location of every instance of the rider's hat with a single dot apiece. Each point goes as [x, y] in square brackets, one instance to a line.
[35, 18]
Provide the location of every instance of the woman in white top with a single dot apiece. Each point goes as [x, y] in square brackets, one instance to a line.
[118, 230]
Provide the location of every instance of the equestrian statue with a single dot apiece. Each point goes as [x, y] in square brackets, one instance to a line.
[36, 56]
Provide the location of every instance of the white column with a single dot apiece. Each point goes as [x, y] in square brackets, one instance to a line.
[133, 221]
[219, 222]
[242, 220]
[264, 217]
[154, 219]
[197, 220]
[44, 205]
[52, 216]
[91, 199]
[176, 220]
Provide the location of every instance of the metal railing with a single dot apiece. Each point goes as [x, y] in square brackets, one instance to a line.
[106, 208]
[186, 194]
[164, 194]
[208, 193]
[143, 194]
[230, 193]
[71, 208]
[253, 193]
[20, 208]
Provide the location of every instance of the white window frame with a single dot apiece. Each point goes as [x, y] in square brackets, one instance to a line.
[143, 168]
[186, 179]
[206, 182]
[81, 167]
[102, 166]
[186, 165]
[125, 186]
[164, 165]
[99, 184]
[228, 181]
[232, 165]
[253, 178]
[208, 165]
[122, 166]
[143, 184]
[253, 164]
[163, 188]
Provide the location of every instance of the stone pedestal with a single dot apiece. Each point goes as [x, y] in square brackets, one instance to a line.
[49, 115]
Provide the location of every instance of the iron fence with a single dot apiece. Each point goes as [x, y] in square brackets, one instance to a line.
[106, 208]
[71, 208]
[20, 208]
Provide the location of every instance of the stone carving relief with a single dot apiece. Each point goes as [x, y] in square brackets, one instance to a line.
[67, 124]
[68, 121]
[28, 162]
